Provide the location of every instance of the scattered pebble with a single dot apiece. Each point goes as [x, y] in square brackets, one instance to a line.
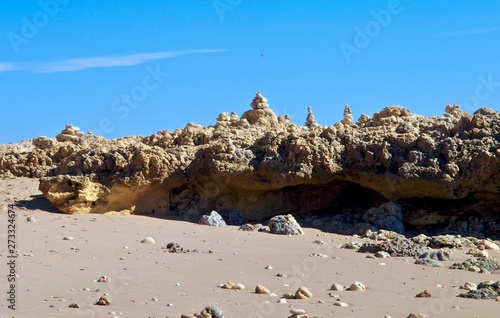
[68, 238]
[469, 286]
[357, 286]
[303, 293]
[148, 240]
[173, 247]
[382, 254]
[238, 287]
[289, 296]
[259, 289]
[296, 311]
[228, 285]
[337, 287]
[104, 301]
[424, 294]
[340, 304]
[30, 219]
[74, 305]
[104, 279]
[269, 267]
[318, 255]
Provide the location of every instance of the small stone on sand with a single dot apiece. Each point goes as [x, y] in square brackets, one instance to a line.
[303, 293]
[148, 240]
[297, 311]
[259, 289]
[357, 286]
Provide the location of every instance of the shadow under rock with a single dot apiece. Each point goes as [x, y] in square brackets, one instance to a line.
[38, 202]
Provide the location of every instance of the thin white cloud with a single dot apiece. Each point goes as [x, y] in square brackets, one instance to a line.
[80, 64]
[466, 32]
[8, 67]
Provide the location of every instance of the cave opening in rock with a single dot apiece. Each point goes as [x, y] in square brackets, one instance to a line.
[331, 198]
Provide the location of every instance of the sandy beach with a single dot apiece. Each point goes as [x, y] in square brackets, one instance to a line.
[148, 281]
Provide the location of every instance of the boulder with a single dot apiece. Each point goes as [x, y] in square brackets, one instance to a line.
[285, 224]
[388, 216]
[214, 219]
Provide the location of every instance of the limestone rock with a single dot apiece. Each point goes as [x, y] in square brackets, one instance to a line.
[428, 262]
[398, 247]
[148, 240]
[453, 111]
[262, 167]
[228, 285]
[173, 247]
[424, 294]
[310, 120]
[382, 254]
[484, 290]
[347, 116]
[104, 301]
[449, 241]
[259, 289]
[70, 133]
[104, 279]
[213, 312]
[238, 286]
[363, 118]
[480, 264]
[214, 219]
[251, 227]
[388, 216]
[469, 286]
[259, 102]
[440, 255]
[357, 286]
[297, 311]
[285, 224]
[303, 293]
[44, 143]
[489, 245]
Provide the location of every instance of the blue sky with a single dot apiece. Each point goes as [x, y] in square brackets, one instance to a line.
[126, 67]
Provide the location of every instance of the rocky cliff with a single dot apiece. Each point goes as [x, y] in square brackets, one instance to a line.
[440, 169]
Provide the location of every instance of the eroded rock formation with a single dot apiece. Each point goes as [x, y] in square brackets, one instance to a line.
[439, 169]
